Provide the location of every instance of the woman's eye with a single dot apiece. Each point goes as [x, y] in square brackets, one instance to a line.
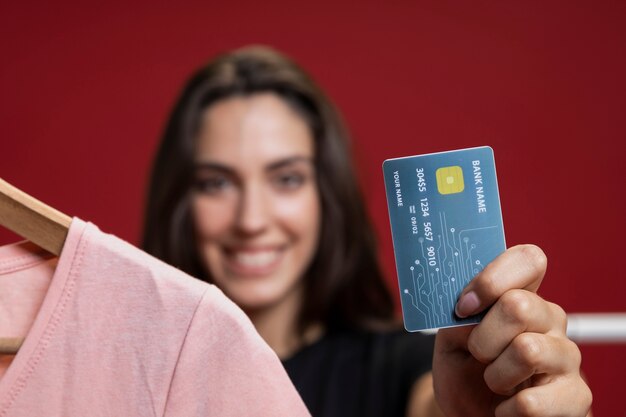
[213, 185]
[289, 181]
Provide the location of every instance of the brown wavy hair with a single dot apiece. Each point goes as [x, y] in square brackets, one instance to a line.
[344, 286]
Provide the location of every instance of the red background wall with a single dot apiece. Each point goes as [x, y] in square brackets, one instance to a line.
[85, 89]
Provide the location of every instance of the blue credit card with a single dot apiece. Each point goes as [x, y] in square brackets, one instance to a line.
[446, 225]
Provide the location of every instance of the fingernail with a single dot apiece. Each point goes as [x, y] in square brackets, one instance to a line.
[467, 305]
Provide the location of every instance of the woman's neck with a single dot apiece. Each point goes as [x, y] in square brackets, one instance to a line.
[278, 325]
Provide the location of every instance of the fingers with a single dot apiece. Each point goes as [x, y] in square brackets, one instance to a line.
[522, 266]
[516, 312]
[567, 396]
[530, 359]
[521, 341]
[452, 339]
[531, 354]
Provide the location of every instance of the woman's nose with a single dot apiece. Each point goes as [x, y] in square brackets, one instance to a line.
[253, 211]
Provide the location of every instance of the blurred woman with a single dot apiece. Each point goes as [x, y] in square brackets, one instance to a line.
[253, 190]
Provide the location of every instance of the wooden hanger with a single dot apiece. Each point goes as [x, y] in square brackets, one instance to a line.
[35, 221]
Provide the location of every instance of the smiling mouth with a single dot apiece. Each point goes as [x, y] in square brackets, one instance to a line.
[253, 262]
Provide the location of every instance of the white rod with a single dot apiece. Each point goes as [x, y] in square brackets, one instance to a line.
[597, 327]
[585, 328]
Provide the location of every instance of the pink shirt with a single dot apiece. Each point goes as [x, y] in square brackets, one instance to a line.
[112, 331]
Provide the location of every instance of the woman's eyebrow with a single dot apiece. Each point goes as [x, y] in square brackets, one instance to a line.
[216, 166]
[289, 161]
[213, 166]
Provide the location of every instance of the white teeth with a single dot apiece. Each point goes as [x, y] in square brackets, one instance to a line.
[256, 259]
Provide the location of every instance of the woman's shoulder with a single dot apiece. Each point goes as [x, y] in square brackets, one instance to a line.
[373, 370]
[392, 339]
[407, 355]
[391, 350]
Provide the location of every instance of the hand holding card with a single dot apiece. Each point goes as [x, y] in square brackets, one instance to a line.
[450, 255]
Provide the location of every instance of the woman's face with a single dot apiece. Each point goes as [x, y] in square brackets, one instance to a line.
[256, 206]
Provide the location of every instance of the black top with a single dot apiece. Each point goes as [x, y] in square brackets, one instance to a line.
[360, 374]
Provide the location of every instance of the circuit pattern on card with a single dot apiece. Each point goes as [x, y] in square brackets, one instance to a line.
[436, 285]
